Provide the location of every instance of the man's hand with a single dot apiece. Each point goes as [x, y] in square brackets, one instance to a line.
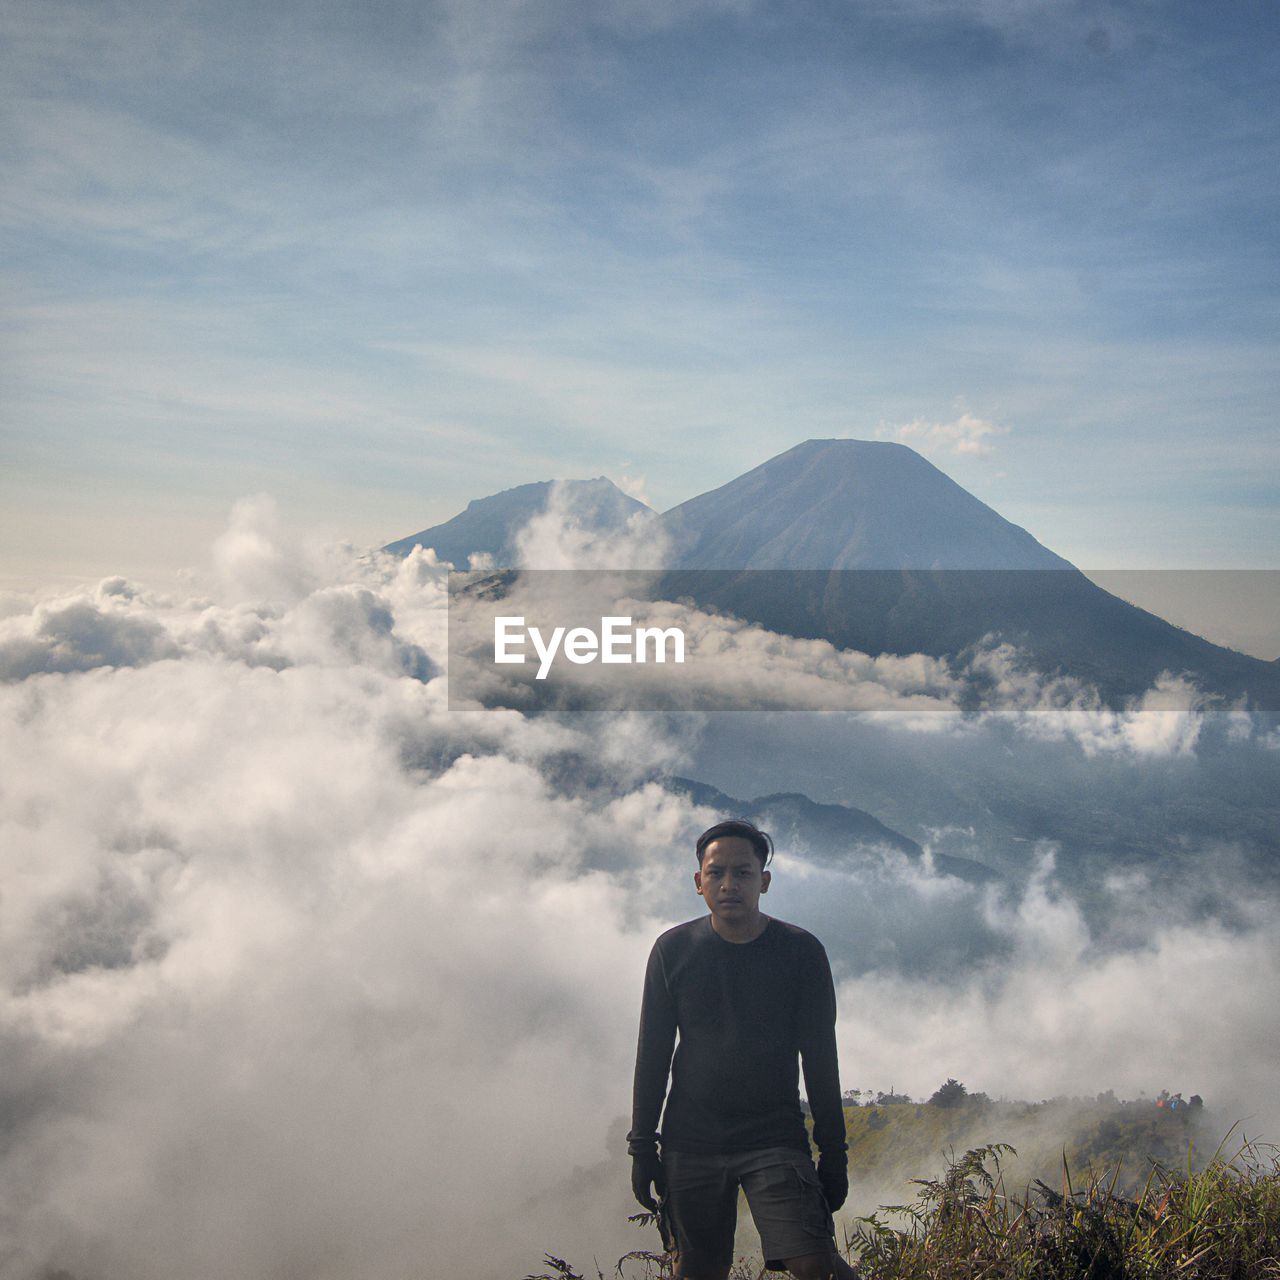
[646, 1170]
[833, 1173]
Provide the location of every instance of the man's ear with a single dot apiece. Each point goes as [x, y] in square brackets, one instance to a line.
[765, 877]
[697, 880]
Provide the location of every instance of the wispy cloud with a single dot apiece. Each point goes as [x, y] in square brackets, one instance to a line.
[966, 435]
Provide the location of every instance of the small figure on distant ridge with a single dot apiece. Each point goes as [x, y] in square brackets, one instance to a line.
[751, 998]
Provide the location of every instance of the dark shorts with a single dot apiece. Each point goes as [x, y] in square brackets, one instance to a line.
[700, 1210]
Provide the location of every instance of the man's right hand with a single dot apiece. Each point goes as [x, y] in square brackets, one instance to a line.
[646, 1171]
[833, 1173]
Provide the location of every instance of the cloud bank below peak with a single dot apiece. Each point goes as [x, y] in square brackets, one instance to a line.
[279, 920]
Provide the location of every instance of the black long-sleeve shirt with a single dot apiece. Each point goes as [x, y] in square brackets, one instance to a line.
[744, 1012]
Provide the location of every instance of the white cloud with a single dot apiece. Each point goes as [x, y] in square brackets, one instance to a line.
[965, 436]
[730, 663]
[78, 635]
[276, 922]
[561, 537]
[633, 486]
[1059, 1015]
[1165, 720]
[302, 972]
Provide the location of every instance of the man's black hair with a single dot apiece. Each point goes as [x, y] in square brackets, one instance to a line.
[745, 830]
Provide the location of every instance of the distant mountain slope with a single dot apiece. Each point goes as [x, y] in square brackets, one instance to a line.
[868, 546]
[831, 833]
[489, 525]
[1060, 622]
[848, 504]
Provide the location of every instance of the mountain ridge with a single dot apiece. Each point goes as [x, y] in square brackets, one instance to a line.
[848, 504]
[869, 546]
[828, 833]
[489, 526]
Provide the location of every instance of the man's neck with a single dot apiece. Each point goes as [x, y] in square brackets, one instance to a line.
[742, 931]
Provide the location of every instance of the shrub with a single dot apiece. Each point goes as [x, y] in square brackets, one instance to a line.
[950, 1094]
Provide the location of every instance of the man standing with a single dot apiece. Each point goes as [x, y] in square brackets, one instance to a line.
[749, 996]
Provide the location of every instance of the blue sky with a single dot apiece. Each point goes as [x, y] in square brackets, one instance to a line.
[379, 259]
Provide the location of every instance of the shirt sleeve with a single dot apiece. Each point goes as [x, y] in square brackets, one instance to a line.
[653, 1054]
[818, 1053]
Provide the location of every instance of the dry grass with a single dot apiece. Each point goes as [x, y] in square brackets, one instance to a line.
[1219, 1223]
[1222, 1223]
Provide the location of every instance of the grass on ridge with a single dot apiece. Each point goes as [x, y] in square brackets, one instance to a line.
[1221, 1222]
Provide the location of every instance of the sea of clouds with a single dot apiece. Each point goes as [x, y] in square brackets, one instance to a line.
[306, 970]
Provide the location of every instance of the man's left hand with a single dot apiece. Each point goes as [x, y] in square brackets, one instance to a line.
[833, 1173]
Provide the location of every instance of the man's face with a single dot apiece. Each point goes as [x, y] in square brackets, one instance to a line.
[731, 879]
